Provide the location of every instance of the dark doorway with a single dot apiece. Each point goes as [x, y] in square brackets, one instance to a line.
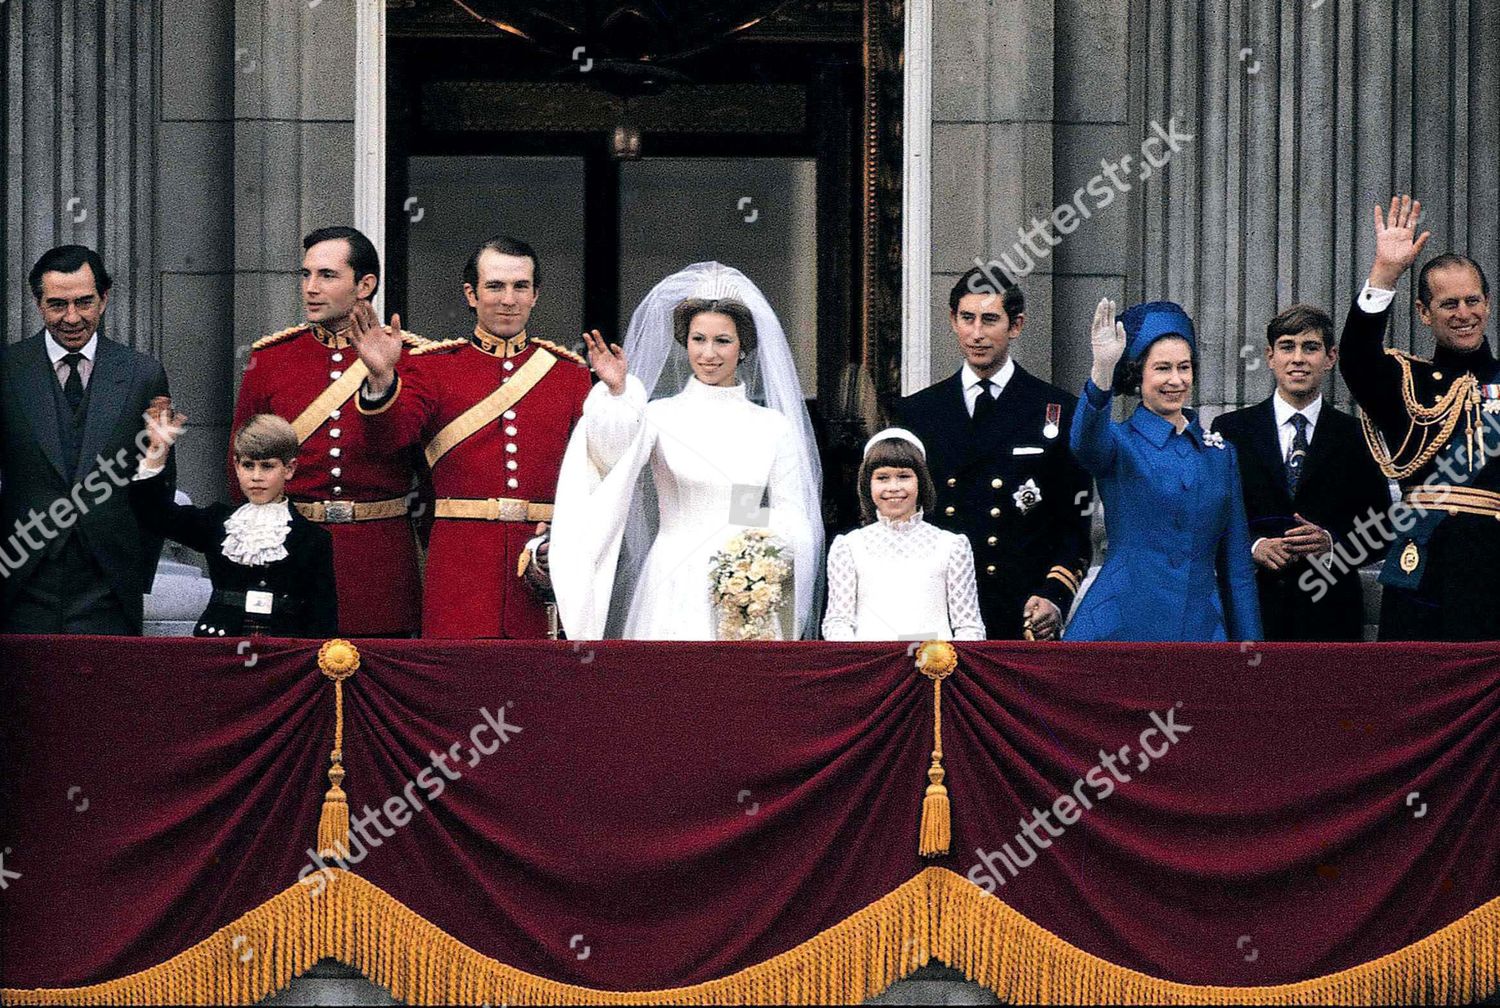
[760, 147]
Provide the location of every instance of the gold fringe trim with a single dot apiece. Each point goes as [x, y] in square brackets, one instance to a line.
[936, 913]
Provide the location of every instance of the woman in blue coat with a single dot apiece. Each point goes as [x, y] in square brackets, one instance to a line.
[1178, 562]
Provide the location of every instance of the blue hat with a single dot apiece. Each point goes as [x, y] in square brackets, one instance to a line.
[1146, 323]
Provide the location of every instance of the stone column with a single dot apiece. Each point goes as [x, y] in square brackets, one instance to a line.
[194, 217]
[1306, 116]
[80, 92]
[293, 149]
[992, 163]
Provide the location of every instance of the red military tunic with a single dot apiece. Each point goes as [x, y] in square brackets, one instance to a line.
[375, 562]
[473, 586]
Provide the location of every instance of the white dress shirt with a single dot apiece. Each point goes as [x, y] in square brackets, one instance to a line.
[56, 351]
[1374, 300]
[971, 382]
[1285, 429]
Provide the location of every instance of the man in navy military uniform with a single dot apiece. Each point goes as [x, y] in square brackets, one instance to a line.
[997, 446]
[1433, 426]
[1307, 480]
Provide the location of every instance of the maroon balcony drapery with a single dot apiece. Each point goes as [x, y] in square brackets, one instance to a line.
[660, 815]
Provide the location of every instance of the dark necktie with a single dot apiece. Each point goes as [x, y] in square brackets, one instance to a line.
[73, 383]
[1298, 454]
[984, 406]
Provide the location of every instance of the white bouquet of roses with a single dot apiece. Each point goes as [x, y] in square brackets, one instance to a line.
[748, 579]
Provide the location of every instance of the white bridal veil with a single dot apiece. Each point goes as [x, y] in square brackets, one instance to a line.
[594, 573]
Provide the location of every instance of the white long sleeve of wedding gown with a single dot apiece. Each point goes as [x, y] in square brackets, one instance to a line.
[612, 422]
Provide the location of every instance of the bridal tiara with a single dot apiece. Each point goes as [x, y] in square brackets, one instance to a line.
[720, 282]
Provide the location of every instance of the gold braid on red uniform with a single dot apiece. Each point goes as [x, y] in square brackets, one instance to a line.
[279, 336]
[439, 346]
[560, 351]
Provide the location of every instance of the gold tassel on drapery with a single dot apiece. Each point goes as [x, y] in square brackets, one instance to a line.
[338, 660]
[936, 660]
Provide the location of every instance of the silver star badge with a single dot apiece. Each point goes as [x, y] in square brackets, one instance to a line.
[1028, 496]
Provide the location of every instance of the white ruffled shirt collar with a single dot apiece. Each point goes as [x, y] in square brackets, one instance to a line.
[255, 534]
[902, 526]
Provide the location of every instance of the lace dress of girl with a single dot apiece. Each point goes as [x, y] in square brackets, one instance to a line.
[902, 580]
[659, 478]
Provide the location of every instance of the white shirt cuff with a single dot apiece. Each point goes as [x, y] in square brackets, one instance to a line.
[146, 470]
[1373, 300]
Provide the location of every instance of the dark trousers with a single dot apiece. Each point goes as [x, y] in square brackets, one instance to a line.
[1459, 598]
[1003, 614]
[67, 593]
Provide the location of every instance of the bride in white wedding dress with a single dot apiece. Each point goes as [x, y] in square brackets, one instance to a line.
[675, 455]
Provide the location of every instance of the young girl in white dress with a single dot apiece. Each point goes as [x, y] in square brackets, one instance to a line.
[899, 578]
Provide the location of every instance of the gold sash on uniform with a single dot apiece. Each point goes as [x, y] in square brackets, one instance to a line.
[330, 399]
[490, 407]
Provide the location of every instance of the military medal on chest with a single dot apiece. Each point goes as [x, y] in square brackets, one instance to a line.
[1054, 416]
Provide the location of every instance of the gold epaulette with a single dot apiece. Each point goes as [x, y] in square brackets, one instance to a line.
[560, 351]
[414, 341]
[1409, 358]
[435, 346]
[278, 337]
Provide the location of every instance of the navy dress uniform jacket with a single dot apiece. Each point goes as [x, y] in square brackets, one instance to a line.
[1456, 595]
[1035, 545]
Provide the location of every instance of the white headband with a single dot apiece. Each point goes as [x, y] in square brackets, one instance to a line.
[899, 434]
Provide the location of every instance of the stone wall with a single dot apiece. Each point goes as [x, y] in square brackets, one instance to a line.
[1303, 117]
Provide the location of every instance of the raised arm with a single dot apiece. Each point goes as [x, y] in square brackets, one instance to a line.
[151, 491]
[614, 412]
[399, 407]
[1090, 436]
[1372, 374]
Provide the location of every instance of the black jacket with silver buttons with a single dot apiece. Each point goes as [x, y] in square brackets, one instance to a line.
[301, 585]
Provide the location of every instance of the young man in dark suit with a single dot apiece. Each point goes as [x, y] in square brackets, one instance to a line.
[1308, 478]
[997, 447]
[72, 558]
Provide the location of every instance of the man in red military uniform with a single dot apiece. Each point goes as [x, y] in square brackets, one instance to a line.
[307, 374]
[492, 413]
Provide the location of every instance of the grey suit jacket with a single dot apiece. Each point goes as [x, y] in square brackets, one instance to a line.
[32, 467]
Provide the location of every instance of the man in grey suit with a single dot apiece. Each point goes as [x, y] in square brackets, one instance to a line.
[73, 559]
